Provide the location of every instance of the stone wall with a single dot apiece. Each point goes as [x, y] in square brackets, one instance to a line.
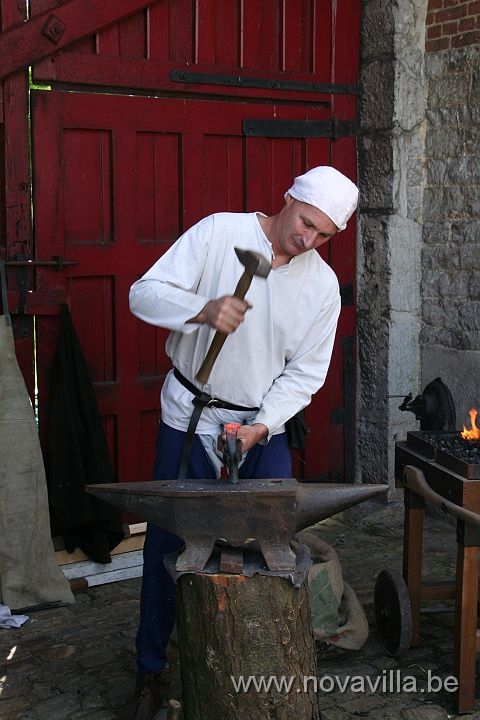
[418, 278]
[391, 176]
[375, 176]
[450, 339]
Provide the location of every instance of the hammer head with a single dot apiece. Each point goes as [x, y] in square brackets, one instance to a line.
[254, 263]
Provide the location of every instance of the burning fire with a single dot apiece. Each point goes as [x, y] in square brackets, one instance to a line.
[474, 433]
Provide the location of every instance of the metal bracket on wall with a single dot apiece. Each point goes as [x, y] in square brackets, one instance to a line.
[333, 128]
[24, 300]
[57, 263]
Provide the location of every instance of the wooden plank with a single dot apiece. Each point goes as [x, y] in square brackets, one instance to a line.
[127, 562]
[231, 561]
[80, 584]
[438, 590]
[297, 36]
[346, 42]
[322, 38]
[89, 567]
[262, 21]
[73, 67]
[465, 646]
[126, 546]
[114, 576]
[159, 33]
[206, 32]
[137, 528]
[55, 29]
[413, 556]
[134, 539]
[228, 51]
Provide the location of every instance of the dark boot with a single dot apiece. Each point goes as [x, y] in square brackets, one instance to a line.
[150, 693]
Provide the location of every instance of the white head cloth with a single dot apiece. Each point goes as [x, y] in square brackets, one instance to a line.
[329, 191]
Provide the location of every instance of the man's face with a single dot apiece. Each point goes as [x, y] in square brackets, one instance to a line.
[303, 228]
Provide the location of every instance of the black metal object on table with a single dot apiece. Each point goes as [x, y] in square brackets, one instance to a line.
[434, 407]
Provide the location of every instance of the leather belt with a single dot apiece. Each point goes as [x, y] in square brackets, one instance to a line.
[200, 401]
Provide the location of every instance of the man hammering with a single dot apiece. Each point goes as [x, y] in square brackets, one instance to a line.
[274, 340]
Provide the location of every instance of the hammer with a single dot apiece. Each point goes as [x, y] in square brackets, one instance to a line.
[255, 264]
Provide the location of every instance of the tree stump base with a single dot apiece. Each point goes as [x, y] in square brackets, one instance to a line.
[247, 650]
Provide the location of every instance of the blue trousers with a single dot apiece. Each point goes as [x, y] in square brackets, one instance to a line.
[157, 598]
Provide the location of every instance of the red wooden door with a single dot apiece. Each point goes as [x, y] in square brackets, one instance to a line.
[237, 112]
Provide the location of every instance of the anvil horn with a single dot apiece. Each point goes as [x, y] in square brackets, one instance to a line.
[201, 512]
[319, 501]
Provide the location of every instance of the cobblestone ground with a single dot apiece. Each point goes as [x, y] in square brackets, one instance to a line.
[366, 544]
[78, 662]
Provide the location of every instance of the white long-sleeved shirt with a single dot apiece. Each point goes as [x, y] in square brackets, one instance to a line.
[277, 358]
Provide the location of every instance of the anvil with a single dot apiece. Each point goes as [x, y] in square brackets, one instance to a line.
[253, 513]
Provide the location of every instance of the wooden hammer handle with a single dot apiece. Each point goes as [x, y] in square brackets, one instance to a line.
[219, 338]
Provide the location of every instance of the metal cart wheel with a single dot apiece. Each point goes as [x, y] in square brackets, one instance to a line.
[393, 617]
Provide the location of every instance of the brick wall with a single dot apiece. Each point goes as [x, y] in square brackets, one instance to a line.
[452, 24]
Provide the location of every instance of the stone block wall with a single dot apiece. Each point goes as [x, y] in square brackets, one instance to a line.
[450, 338]
[418, 280]
[391, 177]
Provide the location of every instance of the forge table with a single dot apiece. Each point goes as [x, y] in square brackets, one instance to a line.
[427, 474]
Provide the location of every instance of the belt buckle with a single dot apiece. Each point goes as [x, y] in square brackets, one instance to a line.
[204, 399]
[213, 402]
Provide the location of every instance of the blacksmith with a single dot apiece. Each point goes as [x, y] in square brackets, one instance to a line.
[276, 356]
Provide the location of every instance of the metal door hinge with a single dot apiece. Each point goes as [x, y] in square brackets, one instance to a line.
[250, 81]
[333, 128]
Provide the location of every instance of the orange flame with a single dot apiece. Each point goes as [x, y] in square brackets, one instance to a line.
[474, 433]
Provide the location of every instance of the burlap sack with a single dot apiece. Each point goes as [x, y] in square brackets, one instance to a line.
[29, 574]
[337, 616]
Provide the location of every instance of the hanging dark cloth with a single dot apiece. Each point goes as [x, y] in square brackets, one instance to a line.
[78, 454]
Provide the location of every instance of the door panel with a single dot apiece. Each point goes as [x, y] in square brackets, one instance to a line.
[116, 181]
[266, 36]
[118, 177]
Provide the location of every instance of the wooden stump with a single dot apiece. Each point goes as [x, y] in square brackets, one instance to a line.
[232, 627]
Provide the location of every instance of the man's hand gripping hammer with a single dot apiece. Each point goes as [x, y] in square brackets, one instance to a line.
[255, 264]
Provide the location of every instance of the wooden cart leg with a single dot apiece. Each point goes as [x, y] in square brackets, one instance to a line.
[465, 652]
[412, 556]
